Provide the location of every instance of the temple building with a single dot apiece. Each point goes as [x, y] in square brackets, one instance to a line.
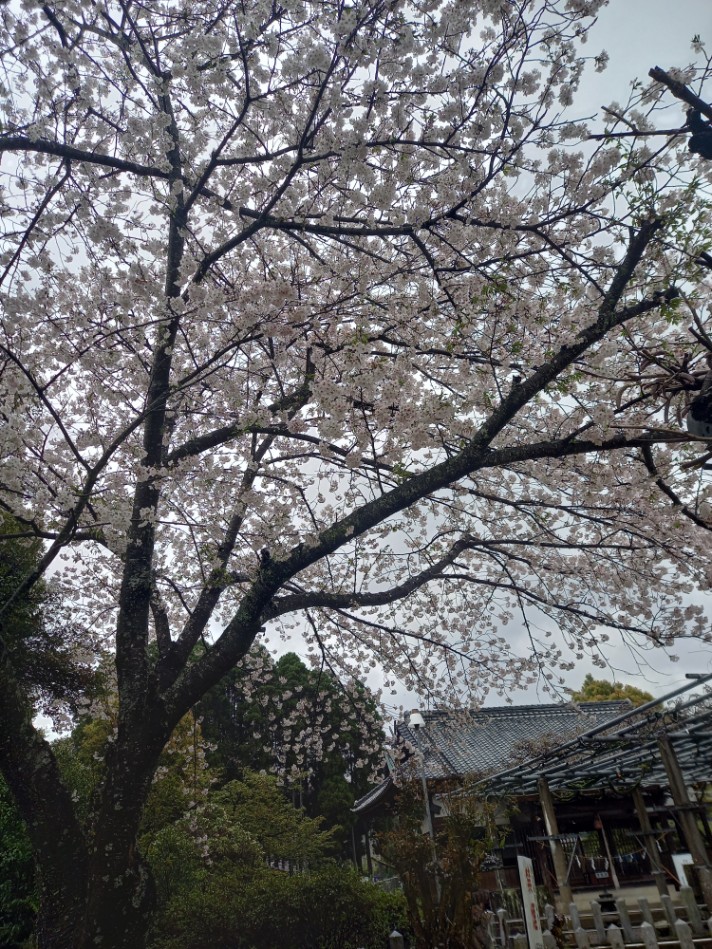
[600, 795]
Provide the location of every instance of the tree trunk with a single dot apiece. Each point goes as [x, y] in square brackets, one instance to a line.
[109, 907]
[96, 896]
[120, 894]
[58, 841]
[96, 891]
[62, 886]
[119, 904]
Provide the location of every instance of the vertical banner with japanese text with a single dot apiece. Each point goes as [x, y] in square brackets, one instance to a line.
[531, 910]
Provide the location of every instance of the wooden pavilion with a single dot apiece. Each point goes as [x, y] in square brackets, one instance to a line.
[606, 796]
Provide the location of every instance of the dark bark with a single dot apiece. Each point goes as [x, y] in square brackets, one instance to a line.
[120, 893]
[95, 889]
[58, 843]
[681, 91]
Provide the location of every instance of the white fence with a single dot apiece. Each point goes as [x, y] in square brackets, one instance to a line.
[667, 925]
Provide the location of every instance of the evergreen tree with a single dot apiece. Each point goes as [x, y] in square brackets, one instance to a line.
[322, 738]
[601, 690]
[18, 894]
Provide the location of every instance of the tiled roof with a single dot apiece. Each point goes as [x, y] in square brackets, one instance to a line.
[479, 742]
[377, 794]
[590, 745]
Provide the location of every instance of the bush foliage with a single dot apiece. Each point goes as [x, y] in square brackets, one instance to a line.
[241, 907]
[218, 884]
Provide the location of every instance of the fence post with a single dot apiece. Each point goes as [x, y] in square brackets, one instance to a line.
[669, 910]
[598, 923]
[615, 939]
[520, 941]
[396, 941]
[624, 918]
[648, 936]
[645, 911]
[549, 913]
[581, 937]
[687, 897]
[549, 941]
[574, 916]
[684, 935]
[502, 919]
[489, 920]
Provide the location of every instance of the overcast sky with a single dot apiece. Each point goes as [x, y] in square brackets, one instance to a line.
[639, 34]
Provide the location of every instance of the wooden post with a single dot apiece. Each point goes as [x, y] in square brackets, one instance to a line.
[648, 936]
[557, 852]
[369, 852]
[650, 846]
[609, 855]
[615, 939]
[688, 900]
[395, 940]
[684, 935]
[688, 821]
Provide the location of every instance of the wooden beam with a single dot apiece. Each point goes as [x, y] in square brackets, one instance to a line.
[557, 851]
[688, 822]
[650, 845]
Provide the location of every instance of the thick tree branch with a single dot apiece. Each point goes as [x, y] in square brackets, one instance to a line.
[240, 632]
[681, 91]
[137, 578]
[291, 403]
[39, 146]
[332, 600]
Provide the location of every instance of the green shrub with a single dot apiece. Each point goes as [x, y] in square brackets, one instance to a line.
[216, 889]
[329, 909]
[260, 908]
[18, 896]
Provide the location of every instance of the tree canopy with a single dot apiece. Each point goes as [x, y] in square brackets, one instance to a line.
[250, 870]
[53, 656]
[333, 320]
[601, 690]
[321, 738]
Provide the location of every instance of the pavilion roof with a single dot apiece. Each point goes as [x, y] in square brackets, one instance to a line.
[577, 747]
[478, 742]
[624, 754]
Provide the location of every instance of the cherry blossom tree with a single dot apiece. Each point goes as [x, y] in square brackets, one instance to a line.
[330, 318]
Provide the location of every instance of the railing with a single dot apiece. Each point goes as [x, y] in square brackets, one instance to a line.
[668, 925]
